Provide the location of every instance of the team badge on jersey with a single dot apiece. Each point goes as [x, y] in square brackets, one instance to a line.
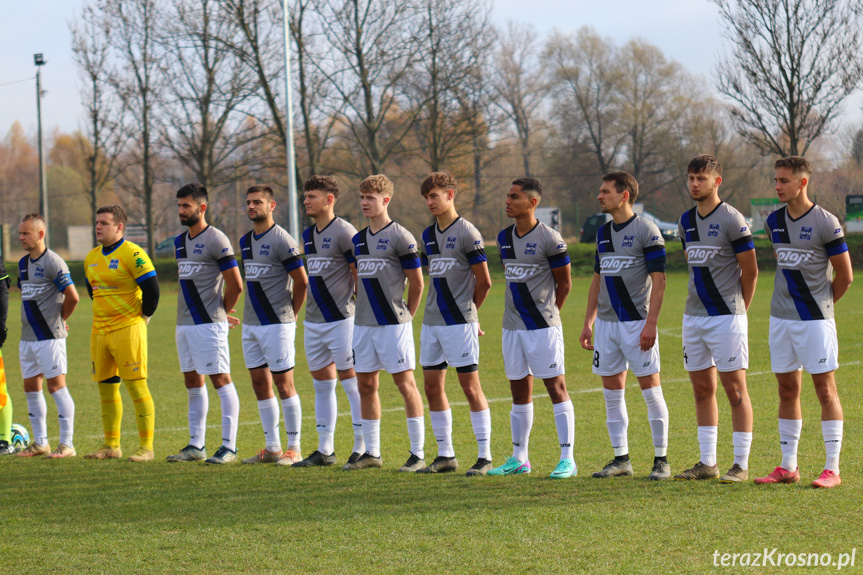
[39, 272]
[530, 249]
[382, 243]
[450, 243]
[325, 244]
[265, 250]
[805, 233]
[114, 264]
[713, 231]
[199, 249]
[627, 241]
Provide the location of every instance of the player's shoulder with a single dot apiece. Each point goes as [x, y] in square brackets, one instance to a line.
[828, 217]
[505, 233]
[344, 226]
[216, 233]
[400, 233]
[548, 234]
[647, 228]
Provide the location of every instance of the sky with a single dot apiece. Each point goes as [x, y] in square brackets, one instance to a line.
[687, 31]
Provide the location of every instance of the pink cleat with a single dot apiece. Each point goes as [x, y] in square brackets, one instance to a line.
[827, 479]
[779, 475]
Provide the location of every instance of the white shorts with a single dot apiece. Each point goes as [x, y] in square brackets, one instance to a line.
[328, 343]
[719, 340]
[537, 352]
[46, 358]
[457, 345]
[270, 345]
[617, 347]
[810, 345]
[387, 347]
[204, 348]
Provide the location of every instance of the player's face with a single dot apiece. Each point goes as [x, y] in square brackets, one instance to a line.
[107, 231]
[609, 198]
[29, 235]
[788, 184]
[259, 207]
[317, 202]
[439, 201]
[703, 185]
[373, 205]
[518, 202]
[190, 211]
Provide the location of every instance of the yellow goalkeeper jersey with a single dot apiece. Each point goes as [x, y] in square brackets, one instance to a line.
[113, 279]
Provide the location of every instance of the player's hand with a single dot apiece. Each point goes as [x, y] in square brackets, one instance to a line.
[233, 321]
[66, 326]
[648, 337]
[586, 338]
[147, 319]
[479, 329]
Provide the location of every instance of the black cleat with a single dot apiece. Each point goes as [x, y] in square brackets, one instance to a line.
[617, 467]
[441, 465]
[414, 463]
[354, 457]
[364, 461]
[661, 470]
[481, 467]
[6, 448]
[317, 459]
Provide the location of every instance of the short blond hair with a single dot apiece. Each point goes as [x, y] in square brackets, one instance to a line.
[377, 184]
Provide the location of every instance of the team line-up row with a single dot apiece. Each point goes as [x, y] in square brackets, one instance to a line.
[358, 322]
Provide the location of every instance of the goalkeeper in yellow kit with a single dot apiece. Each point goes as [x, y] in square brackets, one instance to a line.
[121, 281]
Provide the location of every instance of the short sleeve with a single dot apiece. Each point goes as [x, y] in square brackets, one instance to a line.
[60, 273]
[654, 248]
[406, 249]
[223, 252]
[290, 253]
[474, 247]
[346, 242]
[140, 265]
[681, 232]
[556, 251]
[740, 235]
[833, 236]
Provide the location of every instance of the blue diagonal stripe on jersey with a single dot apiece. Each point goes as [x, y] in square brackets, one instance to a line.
[263, 308]
[621, 301]
[326, 303]
[384, 314]
[37, 321]
[309, 242]
[776, 221]
[446, 303]
[194, 302]
[806, 305]
[530, 314]
[690, 226]
[708, 293]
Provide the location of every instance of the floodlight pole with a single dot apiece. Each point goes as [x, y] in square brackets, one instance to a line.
[293, 220]
[43, 188]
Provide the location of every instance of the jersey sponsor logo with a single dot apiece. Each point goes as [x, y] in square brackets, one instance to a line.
[713, 231]
[256, 270]
[225, 249]
[517, 272]
[778, 230]
[317, 265]
[39, 272]
[139, 262]
[439, 266]
[114, 264]
[837, 231]
[325, 243]
[654, 239]
[614, 264]
[700, 254]
[450, 243]
[265, 250]
[530, 249]
[371, 266]
[383, 243]
[743, 229]
[29, 290]
[199, 249]
[185, 270]
[793, 257]
[627, 241]
[805, 233]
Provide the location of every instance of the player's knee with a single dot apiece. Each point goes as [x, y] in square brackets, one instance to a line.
[827, 394]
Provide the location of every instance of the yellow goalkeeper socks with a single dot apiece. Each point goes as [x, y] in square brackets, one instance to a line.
[144, 410]
[5, 407]
[112, 413]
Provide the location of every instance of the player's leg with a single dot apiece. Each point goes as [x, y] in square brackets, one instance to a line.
[434, 365]
[707, 418]
[831, 427]
[262, 384]
[293, 412]
[6, 447]
[104, 372]
[734, 383]
[397, 352]
[37, 411]
[480, 417]
[215, 343]
[657, 418]
[326, 414]
[367, 365]
[609, 362]
[339, 338]
[55, 378]
[198, 399]
[521, 415]
[131, 355]
[348, 377]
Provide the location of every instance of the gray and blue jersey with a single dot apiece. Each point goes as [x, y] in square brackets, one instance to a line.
[268, 260]
[200, 263]
[329, 255]
[42, 282]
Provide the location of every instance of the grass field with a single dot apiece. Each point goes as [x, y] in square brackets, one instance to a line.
[96, 517]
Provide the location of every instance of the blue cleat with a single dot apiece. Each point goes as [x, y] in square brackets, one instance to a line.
[512, 467]
[565, 469]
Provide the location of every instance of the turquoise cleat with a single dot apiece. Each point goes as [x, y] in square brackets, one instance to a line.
[512, 467]
[565, 469]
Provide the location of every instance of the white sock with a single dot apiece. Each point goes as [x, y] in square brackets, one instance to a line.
[353, 393]
[269, 410]
[564, 420]
[441, 422]
[521, 422]
[832, 432]
[293, 421]
[199, 405]
[230, 415]
[417, 435]
[481, 422]
[326, 413]
[65, 415]
[708, 435]
[372, 436]
[657, 417]
[742, 442]
[789, 436]
[37, 409]
[616, 420]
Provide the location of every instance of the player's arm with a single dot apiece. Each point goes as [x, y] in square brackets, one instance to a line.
[233, 287]
[483, 282]
[748, 275]
[563, 280]
[352, 264]
[149, 296]
[301, 284]
[415, 288]
[649, 333]
[586, 338]
[70, 301]
[843, 274]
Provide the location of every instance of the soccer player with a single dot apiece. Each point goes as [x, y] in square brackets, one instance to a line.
[275, 292]
[329, 322]
[206, 264]
[122, 283]
[626, 295]
[453, 251]
[810, 245]
[387, 259]
[537, 271]
[48, 298]
[722, 276]
[5, 401]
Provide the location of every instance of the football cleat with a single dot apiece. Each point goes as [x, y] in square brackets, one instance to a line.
[779, 475]
[354, 457]
[441, 465]
[565, 469]
[6, 448]
[317, 459]
[512, 466]
[698, 471]
[735, 475]
[143, 454]
[661, 470]
[189, 453]
[615, 468]
[481, 467]
[106, 453]
[414, 463]
[33, 450]
[827, 479]
[263, 456]
[223, 455]
[366, 460]
[62, 452]
[289, 457]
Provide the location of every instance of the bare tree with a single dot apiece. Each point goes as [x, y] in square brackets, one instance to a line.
[791, 64]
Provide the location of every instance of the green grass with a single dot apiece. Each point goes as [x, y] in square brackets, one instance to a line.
[114, 516]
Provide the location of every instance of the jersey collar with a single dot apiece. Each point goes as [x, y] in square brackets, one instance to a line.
[107, 250]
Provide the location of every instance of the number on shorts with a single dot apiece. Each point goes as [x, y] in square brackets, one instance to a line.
[685, 359]
[596, 359]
